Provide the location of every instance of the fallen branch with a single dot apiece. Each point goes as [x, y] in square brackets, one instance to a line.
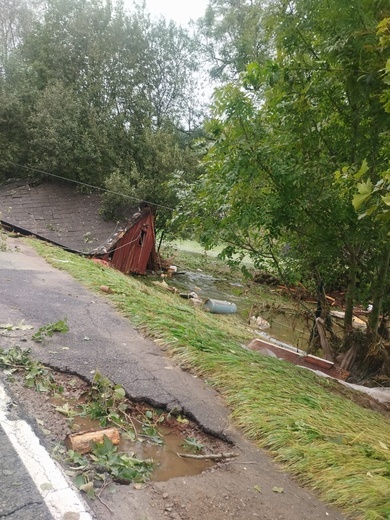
[101, 500]
[242, 462]
[211, 456]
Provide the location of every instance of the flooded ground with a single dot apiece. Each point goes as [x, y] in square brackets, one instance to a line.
[286, 325]
[60, 415]
[167, 463]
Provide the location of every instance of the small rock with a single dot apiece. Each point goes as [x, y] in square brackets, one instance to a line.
[165, 495]
[106, 289]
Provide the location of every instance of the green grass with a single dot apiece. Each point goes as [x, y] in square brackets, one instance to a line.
[328, 442]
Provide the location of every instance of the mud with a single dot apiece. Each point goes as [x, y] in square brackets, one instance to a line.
[180, 489]
[54, 426]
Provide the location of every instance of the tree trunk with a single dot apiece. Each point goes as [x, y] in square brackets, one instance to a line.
[350, 294]
[356, 356]
[378, 291]
[349, 358]
[324, 342]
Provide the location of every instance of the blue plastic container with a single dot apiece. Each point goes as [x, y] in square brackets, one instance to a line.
[219, 307]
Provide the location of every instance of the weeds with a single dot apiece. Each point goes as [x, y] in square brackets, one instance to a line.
[3, 239]
[104, 462]
[48, 330]
[107, 403]
[36, 375]
[193, 444]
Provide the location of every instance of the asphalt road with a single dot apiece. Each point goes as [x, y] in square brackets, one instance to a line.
[99, 338]
[19, 497]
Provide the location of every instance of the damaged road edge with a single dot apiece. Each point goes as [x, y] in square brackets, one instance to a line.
[59, 496]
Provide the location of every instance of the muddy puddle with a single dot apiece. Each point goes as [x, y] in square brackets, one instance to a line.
[169, 446]
[167, 463]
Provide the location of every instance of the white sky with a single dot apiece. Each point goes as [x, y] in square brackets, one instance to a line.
[181, 11]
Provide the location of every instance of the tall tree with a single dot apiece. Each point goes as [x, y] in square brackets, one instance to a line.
[284, 128]
[233, 36]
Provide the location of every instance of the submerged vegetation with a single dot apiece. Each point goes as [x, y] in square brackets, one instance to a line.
[310, 424]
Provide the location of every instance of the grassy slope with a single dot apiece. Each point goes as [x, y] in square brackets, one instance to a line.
[327, 441]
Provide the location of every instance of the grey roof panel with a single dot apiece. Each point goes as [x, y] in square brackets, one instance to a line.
[59, 213]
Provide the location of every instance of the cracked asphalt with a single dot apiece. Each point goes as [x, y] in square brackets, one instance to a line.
[99, 338]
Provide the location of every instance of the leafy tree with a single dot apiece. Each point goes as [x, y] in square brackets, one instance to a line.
[282, 130]
[16, 21]
[233, 36]
[67, 137]
[373, 200]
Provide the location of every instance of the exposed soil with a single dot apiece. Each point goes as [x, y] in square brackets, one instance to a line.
[55, 427]
[239, 488]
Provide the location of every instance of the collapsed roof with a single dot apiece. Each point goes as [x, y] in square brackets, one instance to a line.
[60, 214]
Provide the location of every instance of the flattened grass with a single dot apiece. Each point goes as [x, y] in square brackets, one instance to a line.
[327, 441]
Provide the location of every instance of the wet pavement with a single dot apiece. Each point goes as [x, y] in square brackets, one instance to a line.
[99, 338]
[19, 497]
[32, 486]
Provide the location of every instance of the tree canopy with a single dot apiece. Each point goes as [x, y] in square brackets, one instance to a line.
[89, 89]
[291, 139]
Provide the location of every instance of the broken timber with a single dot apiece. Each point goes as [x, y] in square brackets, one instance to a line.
[81, 442]
[210, 456]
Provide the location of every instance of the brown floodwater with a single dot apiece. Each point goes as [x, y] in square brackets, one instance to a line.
[286, 327]
[166, 461]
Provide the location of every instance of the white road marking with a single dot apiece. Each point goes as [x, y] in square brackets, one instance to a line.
[47, 475]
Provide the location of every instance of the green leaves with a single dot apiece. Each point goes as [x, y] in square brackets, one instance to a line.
[194, 444]
[105, 458]
[362, 171]
[47, 331]
[36, 375]
[364, 193]
[386, 199]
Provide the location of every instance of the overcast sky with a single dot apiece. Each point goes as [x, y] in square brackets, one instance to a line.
[181, 11]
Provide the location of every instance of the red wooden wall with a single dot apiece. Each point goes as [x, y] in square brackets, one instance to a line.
[136, 248]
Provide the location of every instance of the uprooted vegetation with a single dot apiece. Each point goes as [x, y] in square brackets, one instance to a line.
[112, 450]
